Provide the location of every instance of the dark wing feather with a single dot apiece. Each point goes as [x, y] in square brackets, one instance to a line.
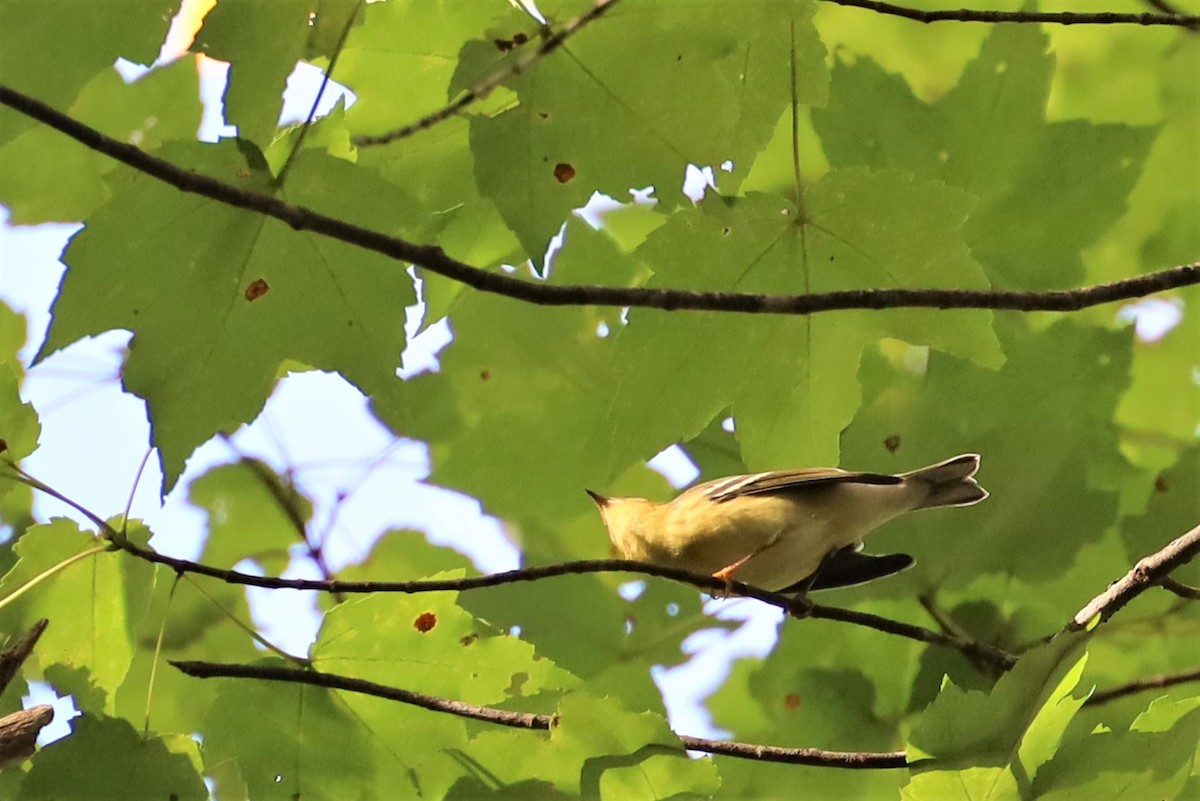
[848, 567]
[726, 489]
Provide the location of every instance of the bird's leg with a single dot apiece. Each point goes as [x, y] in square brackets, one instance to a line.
[726, 573]
[801, 605]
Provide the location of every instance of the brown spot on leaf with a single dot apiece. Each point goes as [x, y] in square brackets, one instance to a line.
[3, 445]
[484, 375]
[791, 701]
[425, 622]
[1161, 485]
[520, 38]
[563, 173]
[258, 287]
[892, 443]
[468, 639]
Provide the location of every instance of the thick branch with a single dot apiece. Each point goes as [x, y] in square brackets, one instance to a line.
[1145, 574]
[435, 260]
[1141, 685]
[1052, 17]
[19, 731]
[529, 720]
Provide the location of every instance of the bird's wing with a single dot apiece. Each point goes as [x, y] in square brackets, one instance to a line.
[726, 489]
[848, 567]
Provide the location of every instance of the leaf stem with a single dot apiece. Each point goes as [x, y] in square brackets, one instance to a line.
[50, 571]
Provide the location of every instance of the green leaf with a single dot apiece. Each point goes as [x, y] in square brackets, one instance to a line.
[46, 176]
[300, 741]
[197, 622]
[721, 81]
[253, 513]
[598, 750]
[1047, 190]
[791, 381]
[92, 598]
[217, 298]
[1150, 762]
[1043, 480]
[50, 50]
[1015, 726]
[108, 758]
[262, 42]
[427, 639]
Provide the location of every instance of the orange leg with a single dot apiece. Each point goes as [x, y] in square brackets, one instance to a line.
[726, 573]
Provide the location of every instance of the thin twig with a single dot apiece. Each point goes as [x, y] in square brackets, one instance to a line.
[1150, 683]
[1052, 17]
[312, 112]
[1150, 570]
[1179, 588]
[435, 260]
[529, 720]
[551, 41]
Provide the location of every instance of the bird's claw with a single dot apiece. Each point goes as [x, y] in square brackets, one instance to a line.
[800, 606]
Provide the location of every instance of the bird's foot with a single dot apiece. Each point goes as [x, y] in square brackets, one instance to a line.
[800, 606]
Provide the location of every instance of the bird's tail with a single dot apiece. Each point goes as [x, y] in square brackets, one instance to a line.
[950, 483]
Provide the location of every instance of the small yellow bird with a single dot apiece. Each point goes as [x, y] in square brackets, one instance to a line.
[789, 530]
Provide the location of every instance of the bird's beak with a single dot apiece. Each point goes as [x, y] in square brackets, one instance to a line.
[600, 500]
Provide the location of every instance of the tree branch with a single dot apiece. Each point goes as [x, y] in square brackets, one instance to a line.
[793, 605]
[19, 730]
[529, 720]
[13, 657]
[1052, 17]
[1149, 571]
[1150, 683]
[1179, 588]
[434, 259]
[551, 41]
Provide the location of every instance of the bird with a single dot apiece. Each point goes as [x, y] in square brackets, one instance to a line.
[785, 530]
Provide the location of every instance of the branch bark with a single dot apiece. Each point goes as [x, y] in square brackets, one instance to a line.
[528, 720]
[1052, 17]
[434, 259]
[1148, 572]
[1141, 685]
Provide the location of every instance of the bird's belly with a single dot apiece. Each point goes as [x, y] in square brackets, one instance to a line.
[791, 538]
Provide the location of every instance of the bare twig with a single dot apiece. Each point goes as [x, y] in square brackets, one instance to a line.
[1145, 574]
[1179, 588]
[528, 720]
[551, 41]
[13, 657]
[1150, 683]
[312, 111]
[1052, 17]
[435, 260]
